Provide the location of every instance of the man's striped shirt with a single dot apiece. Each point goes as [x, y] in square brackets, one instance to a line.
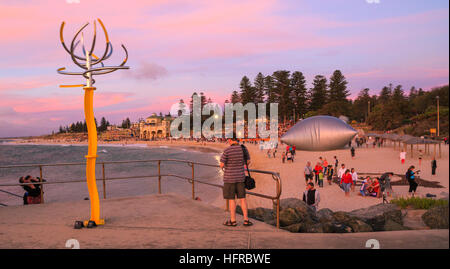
[233, 160]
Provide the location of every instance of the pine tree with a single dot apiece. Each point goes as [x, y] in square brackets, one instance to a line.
[282, 92]
[247, 91]
[235, 98]
[259, 88]
[299, 93]
[269, 85]
[338, 88]
[318, 93]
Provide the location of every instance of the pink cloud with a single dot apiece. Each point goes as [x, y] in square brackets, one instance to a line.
[62, 103]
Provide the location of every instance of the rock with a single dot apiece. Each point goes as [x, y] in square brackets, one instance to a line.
[293, 228]
[334, 227]
[391, 225]
[376, 216]
[290, 216]
[264, 214]
[297, 204]
[354, 223]
[324, 215]
[304, 227]
[436, 217]
[301, 207]
[259, 213]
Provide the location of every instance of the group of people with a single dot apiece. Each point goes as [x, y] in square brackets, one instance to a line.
[321, 170]
[32, 193]
[289, 154]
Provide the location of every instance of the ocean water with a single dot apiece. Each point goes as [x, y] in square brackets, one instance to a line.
[16, 154]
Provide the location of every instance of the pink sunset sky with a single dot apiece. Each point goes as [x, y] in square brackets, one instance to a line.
[178, 47]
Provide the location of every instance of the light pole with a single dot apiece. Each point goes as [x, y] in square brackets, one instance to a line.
[437, 99]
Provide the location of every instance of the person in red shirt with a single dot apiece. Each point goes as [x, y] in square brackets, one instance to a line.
[346, 182]
[374, 188]
[317, 169]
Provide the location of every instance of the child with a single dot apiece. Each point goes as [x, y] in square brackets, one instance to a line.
[320, 179]
[330, 172]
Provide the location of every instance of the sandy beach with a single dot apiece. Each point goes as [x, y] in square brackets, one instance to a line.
[367, 160]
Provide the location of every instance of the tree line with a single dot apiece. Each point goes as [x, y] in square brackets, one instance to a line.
[81, 127]
[388, 110]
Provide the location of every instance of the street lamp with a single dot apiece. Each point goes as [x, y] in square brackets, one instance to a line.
[437, 99]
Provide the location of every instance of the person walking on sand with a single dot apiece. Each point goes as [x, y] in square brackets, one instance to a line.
[232, 162]
[325, 166]
[329, 174]
[336, 164]
[420, 157]
[311, 196]
[354, 178]
[346, 182]
[352, 152]
[410, 176]
[403, 156]
[341, 171]
[433, 166]
[317, 171]
[308, 172]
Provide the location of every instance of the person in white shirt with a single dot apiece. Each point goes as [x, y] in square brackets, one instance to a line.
[341, 171]
[403, 156]
[354, 178]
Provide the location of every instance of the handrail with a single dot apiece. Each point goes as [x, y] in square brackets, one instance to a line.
[275, 176]
[10, 193]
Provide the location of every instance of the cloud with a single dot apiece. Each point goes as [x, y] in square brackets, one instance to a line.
[149, 71]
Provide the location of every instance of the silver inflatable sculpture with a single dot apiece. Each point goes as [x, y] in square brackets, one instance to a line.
[319, 133]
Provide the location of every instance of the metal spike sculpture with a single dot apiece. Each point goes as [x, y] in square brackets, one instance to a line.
[88, 63]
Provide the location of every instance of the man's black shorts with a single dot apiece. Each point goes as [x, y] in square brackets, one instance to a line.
[310, 176]
[231, 190]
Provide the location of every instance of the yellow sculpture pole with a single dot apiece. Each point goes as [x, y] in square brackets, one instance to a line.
[92, 155]
[89, 70]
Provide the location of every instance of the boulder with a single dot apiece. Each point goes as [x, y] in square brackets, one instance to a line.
[324, 215]
[264, 214]
[305, 227]
[334, 227]
[289, 216]
[259, 213]
[436, 217]
[354, 223]
[305, 211]
[391, 225]
[377, 216]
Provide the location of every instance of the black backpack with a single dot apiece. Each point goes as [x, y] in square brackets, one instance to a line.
[249, 181]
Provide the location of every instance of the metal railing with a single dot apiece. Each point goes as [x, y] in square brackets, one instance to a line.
[275, 176]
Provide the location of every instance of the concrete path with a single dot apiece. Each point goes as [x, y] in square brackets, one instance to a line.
[174, 221]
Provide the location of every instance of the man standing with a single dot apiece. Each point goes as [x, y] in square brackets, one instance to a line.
[433, 166]
[341, 171]
[311, 196]
[308, 172]
[232, 162]
[336, 164]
